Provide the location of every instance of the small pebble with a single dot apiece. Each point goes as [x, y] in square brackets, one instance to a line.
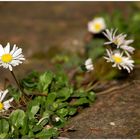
[112, 123]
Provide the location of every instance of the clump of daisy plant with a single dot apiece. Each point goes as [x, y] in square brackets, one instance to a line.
[97, 25]
[4, 105]
[120, 51]
[10, 58]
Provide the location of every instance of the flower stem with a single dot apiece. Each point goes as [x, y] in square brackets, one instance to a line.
[17, 82]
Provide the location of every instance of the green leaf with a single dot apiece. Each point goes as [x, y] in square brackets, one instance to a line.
[55, 105]
[46, 134]
[31, 134]
[72, 111]
[51, 98]
[33, 108]
[31, 81]
[91, 96]
[43, 121]
[4, 126]
[37, 128]
[4, 136]
[79, 93]
[80, 101]
[60, 81]
[47, 113]
[49, 104]
[45, 80]
[64, 93]
[14, 93]
[17, 118]
[62, 112]
[60, 58]
[62, 104]
[61, 77]
[24, 130]
[31, 123]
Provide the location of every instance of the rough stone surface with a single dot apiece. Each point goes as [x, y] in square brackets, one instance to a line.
[113, 115]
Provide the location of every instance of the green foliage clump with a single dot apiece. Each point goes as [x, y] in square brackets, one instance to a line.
[51, 102]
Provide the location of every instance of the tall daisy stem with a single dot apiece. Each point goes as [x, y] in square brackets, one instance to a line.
[17, 82]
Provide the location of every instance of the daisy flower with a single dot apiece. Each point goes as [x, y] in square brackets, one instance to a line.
[9, 59]
[96, 25]
[6, 104]
[113, 38]
[89, 64]
[119, 60]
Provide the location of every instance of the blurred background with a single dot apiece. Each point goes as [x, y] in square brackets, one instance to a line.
[46, 29]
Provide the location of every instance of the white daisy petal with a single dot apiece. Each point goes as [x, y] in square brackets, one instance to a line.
[13, 50]
[127, 42]
[7, 48]
[7, 103]
[119, 67]
[6, 106]
[1, 50]
[3, 95]
[114, 33]
[10, 68]
[17, 52]
[1, 92]
[88, 61]
[127, 48]
[19, 56]
[107, 43]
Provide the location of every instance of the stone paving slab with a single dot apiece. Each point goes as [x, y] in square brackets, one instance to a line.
[113, 115]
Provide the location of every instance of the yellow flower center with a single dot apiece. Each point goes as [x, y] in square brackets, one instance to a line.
[97, 26]
[6, 58]
[117, 59]
[116, 41]
[1, 106]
